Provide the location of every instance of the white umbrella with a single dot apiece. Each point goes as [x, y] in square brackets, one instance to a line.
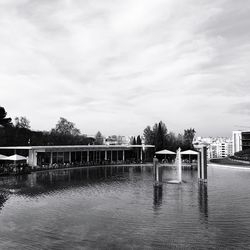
[15, 158]
[165, 152]
[189, 152]
[2, 156]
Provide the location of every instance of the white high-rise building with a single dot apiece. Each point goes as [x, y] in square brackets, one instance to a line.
[237, 141]
[220, 148]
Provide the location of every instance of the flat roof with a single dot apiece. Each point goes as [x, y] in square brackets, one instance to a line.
[78, 147]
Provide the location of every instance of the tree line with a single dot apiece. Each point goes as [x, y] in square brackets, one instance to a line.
[66, 133]
[159, 136]
[19, 133]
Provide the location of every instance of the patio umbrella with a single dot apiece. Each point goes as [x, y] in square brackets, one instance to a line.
[189, 152]
[15, 157]
[165, 152]
[2, 156]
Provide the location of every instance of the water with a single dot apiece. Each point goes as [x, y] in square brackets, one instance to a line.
[118, 208]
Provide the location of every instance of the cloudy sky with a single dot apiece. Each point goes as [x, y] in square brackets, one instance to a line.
[118, 66]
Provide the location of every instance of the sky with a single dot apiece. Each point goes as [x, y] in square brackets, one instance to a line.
[117, 66]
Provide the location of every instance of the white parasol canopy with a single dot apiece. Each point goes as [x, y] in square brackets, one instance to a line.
[15, 157]
[2, 156]
[189, 152]
[165, 152]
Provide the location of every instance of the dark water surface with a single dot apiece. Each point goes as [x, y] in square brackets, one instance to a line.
[118, 208]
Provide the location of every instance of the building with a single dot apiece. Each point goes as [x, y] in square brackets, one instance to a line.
[241, 140]
[117, 140]
[46, 156]
[237, 141]
[220, 149]
[217, 147]
[245, 140]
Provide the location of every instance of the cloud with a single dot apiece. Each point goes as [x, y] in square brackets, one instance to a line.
[118, 66]
[241, 108]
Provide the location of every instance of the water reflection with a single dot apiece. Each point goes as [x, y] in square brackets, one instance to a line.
[157, 197]
[203, 200]
[118, 208]
[50, 181]
[3, 199]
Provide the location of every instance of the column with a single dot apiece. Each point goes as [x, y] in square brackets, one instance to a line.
[51, 158]
[117, 154]
[204, 163]
[123, 155]
[35, 158]
[69, 157]
[106, 155]
[199, 165]
[141, 155]
[111, 155]
[32, 158]
[88, 156]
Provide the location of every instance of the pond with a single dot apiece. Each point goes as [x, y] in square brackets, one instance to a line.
[118, 208]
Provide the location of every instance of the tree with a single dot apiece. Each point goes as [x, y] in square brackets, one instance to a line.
[189, 137]
[138, 140]
[160, 136]
[3, 120]
[148, 135]
[99, 138]
[65, 127]
[134, 141]
[22, 122]
[156, 136]
[172, 142]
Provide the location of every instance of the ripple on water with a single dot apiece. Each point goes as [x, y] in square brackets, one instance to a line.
[118, 208]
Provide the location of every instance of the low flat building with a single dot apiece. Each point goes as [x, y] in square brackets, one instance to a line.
[40, 156]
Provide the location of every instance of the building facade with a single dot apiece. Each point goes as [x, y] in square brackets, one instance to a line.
[245, 140]
[237, 141]
[47, 156]
[217, 147]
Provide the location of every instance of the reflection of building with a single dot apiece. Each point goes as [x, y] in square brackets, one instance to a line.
[241, 140]
[203, 200]
[157, 197]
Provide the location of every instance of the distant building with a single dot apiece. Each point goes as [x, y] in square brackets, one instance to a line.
[237, 141]
[117, 140]
[245, 140]
[241, 140]
[217, 147]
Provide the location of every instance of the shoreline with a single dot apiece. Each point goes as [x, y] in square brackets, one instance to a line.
[241, 167]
